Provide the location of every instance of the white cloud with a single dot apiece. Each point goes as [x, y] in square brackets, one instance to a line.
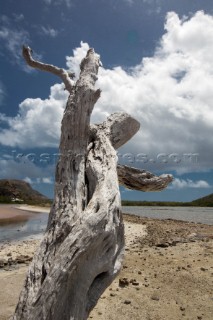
[18, 17]
[38, 121]
[181, 183]
[68, 3]
[12, 39]
[28, 180]
[28, 167]
[152, 6]
[129, 2]
[48, 31]
[73, 62]
[47, 180]
[4, 19]
[25, 170]
[170, 94]
[2, 93]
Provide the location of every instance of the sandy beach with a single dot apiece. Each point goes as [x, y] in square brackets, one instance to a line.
[35, 209]
[11, 212]
[167, 273]
[15, 212]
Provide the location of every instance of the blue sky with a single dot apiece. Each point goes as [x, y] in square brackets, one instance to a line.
[157, 66]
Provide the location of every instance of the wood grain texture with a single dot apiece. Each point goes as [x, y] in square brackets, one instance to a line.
[82, 249]
[142, 180]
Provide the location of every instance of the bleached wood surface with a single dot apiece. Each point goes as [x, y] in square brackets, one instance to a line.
[142, 180]
[82, 249]
[60, 72]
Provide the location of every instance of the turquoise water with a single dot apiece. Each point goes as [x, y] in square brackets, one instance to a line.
[35, 225]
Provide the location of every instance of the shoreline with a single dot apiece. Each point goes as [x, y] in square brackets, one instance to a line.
[14, 214]
[32, 208]
[166, 274]
[13, 210]
[14, 221]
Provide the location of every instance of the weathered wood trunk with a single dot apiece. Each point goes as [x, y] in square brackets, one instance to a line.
[82, 249]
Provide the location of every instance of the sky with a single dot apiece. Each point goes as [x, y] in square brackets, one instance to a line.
[157, 66]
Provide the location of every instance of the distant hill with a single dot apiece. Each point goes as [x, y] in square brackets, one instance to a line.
[201, 202]
[18, 191]
[204, 202]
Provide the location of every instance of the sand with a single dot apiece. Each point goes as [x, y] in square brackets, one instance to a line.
[167, 273]
[11, 212]
[31, 208]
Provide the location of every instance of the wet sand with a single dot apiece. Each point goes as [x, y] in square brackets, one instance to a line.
[35, 209]
[11, 214]
[167, 273]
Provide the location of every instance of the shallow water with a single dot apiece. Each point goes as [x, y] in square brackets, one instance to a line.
[192, 214]
[32, 227]
[35, 224]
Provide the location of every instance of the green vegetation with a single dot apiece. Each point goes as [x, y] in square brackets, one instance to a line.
[202, 202]
[18, 191]
[5, 199]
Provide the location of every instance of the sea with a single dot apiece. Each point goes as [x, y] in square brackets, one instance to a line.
[34, 226]
[190, 214]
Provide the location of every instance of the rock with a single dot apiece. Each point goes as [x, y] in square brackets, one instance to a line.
[10, 261]
[123, 282]
[3, 262]
[112, 294]
[7, 268]
[155, 296]
[127, 301]
[21, 259]
[162, 245]
[134, 282]
[203, 269]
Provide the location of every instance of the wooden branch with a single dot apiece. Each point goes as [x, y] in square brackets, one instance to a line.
[82, 249]
[142, 180]
[60, 72]
[119, 128]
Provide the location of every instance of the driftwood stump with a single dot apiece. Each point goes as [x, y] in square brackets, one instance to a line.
[82, 248]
